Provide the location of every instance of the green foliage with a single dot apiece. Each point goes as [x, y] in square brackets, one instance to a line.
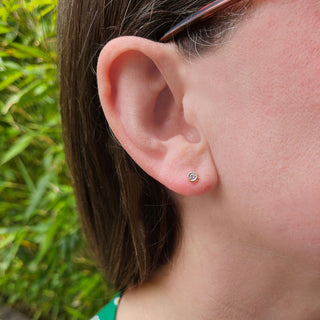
[42, 264]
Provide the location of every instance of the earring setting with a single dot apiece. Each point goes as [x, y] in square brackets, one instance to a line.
[193, 177]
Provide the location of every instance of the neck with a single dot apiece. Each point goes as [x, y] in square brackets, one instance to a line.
[223, 274]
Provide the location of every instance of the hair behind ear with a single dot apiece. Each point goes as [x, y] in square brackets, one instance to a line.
[129, 219]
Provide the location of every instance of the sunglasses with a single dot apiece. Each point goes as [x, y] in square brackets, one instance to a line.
[203, 14]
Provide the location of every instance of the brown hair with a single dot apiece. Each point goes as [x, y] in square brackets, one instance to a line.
[130, 220]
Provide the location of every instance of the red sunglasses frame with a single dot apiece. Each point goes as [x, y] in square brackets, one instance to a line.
[202, 14]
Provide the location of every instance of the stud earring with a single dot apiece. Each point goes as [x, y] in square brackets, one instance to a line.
[193, 177]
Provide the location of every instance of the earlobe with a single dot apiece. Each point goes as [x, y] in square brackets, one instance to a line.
[141, 89]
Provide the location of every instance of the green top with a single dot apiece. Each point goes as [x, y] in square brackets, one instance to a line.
[109, 311]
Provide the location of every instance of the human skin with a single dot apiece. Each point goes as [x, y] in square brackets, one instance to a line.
[265, 126]
[246, 117]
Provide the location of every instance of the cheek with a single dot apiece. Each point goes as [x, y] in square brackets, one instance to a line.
[269, 174]
[276, 105]
[266, 142]
[278, 65]
[269, 117]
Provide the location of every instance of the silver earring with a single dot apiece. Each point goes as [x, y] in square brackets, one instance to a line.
[193, 177]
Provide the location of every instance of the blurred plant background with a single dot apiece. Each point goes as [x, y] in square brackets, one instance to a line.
[44, 269]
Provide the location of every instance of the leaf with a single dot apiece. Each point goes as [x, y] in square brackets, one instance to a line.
[16, 149]
[47, 243]
[9, 230]
[25, 175]
[3, 54]
[31, 51]
[37, 69]
[47, 10]
[11, 254]
[16, 97]
[37, 195]
[75, 313]
[10, 79]
[4, 30]
[12, 65]
[6, 240]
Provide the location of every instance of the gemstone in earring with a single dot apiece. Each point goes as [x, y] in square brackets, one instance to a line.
[193, 177]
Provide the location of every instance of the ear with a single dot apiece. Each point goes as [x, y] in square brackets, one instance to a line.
[141, 89]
